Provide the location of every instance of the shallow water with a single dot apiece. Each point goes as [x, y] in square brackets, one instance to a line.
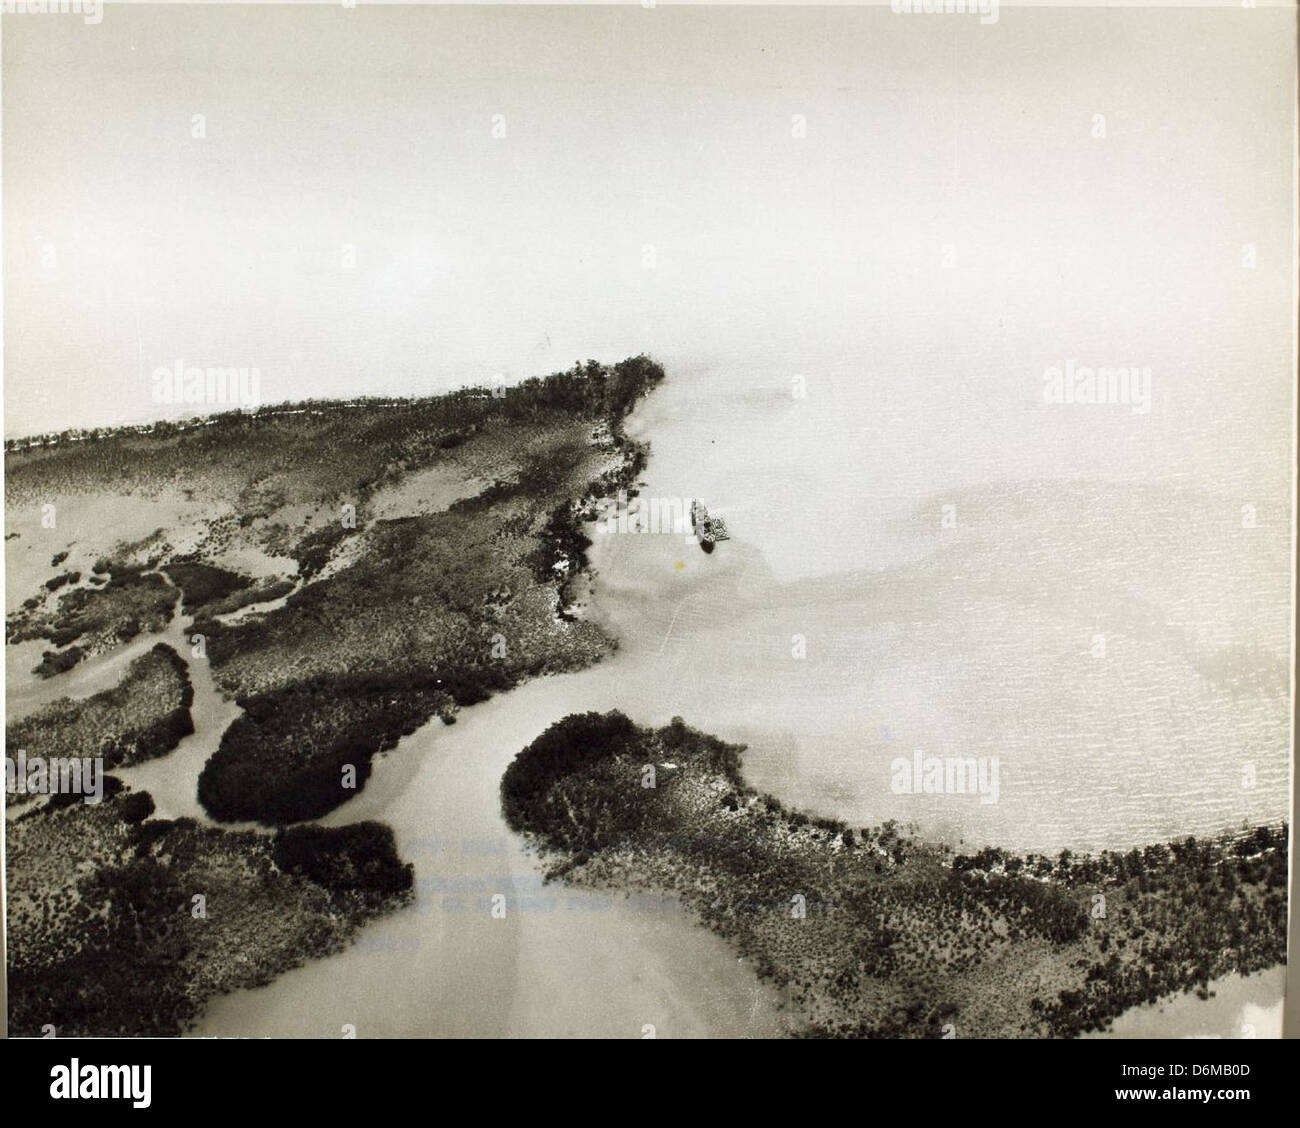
[561, 962]
[173, 780]
[1240, 1007]
[1119, 647]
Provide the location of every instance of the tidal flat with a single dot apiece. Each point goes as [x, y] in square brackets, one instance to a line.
[378, 586]
[319, 634]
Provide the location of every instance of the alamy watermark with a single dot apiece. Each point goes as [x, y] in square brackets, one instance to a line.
[946, 775]
[91, 11]
[55, 775]
[986, 9]
[75, 1081]
[1079, 384]
[229, 387]
[686, 517]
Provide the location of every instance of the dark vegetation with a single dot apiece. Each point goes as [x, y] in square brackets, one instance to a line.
[1178, 915]
[57, 661]
[246, 596]
[414, 617]
[562, 554]
[439, 611]
[116, 946]
[145, 716]
[283, 760]
[132, 601]
[313, 552]
[204, 584]
[898, 937]
[58, 581]
[360, 856]
[385, 625]
[351, 442]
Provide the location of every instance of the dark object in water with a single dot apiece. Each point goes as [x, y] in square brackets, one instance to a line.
[708, 529]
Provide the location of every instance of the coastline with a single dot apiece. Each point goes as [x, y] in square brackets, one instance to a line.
[875, 931]
[562, 962]
[634, 595]
[445, 965]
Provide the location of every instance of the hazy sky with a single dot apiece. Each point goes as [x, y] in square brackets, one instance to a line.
[624, 129]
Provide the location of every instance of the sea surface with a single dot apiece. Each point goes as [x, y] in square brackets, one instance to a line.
[922, 572]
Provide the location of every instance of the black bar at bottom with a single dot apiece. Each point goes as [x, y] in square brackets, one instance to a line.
[368, 1077]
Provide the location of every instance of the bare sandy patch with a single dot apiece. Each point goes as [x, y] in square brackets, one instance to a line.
[423, 492]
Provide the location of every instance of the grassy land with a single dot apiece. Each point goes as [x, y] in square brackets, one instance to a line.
[873, 933]
[205, 585]
[430, 613]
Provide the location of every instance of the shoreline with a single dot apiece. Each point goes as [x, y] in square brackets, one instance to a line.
[888, 934]
[491, 976]
[1238, 1007]
[623, 603]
